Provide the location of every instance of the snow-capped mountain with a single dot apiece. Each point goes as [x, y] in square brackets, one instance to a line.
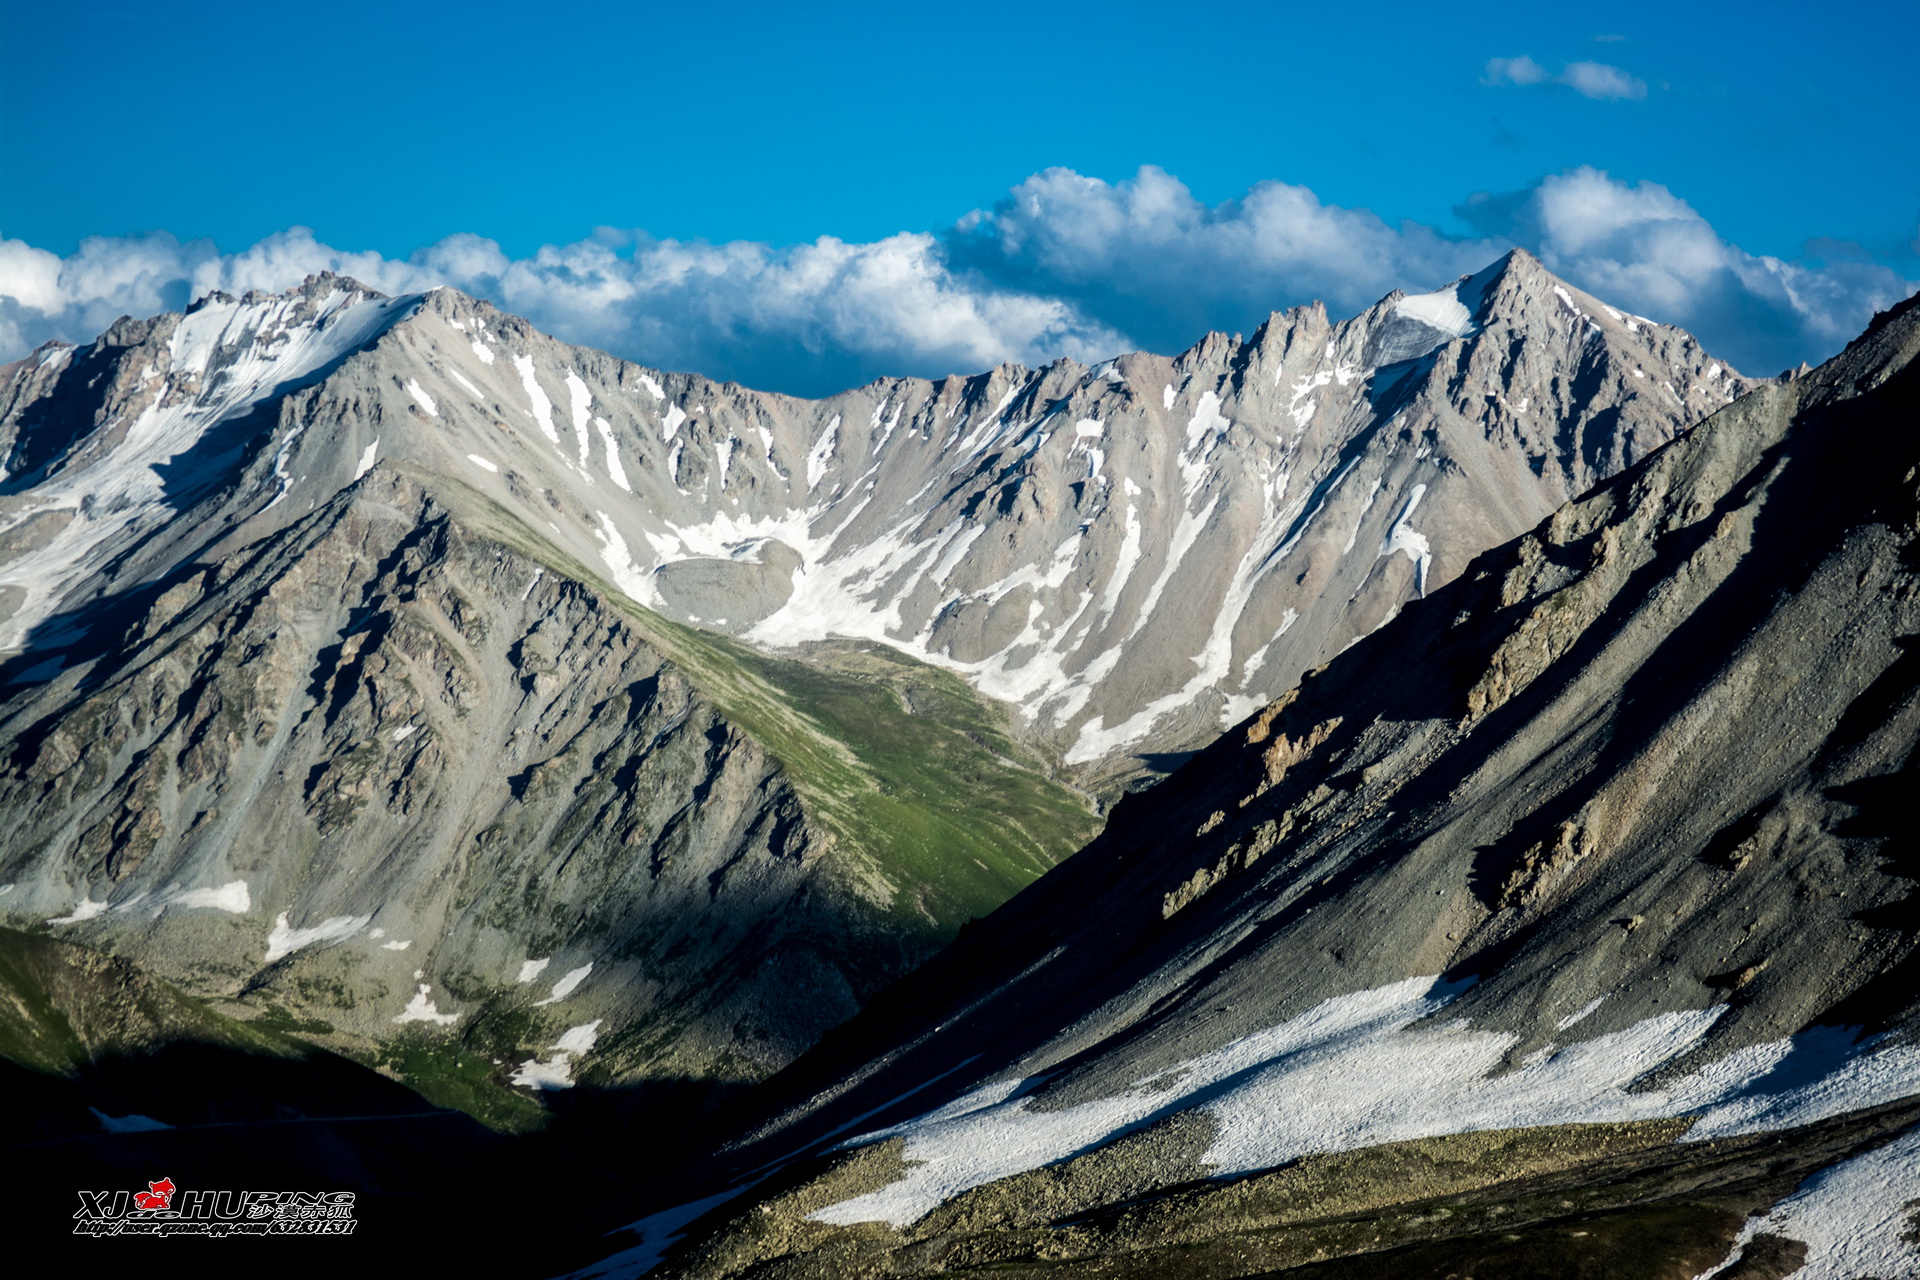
[1132, 555]
[389, 664]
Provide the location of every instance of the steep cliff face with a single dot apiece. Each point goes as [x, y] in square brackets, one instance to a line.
[1564, 923]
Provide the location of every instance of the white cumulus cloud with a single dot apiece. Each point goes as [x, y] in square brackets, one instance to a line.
[1641, 247]
[1598, 80]
[1520, 70]
[1146, 257]
[811, 318]
[1066, 264]
[1595, 80]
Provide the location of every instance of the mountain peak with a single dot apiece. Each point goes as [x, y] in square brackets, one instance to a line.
[315, 287]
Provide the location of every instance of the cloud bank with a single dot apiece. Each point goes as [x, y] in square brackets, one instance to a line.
[809, 319]
[1066, 265]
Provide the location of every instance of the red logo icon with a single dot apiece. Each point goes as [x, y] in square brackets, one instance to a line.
[158, 1195]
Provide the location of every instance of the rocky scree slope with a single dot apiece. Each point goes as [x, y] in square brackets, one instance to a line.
[1134, 555]
[388, 763]
[1565, 926]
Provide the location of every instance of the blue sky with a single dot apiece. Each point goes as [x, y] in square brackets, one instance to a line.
[207, 131]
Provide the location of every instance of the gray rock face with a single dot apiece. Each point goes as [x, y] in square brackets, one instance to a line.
[388, 771]
[389, 758]
[348, 670]
[1134, 556]
[1607, 841]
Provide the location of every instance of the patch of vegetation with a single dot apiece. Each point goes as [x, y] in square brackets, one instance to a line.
[278, 1018]
[1649, 1242]
[33, 1032]
[934, 807]
[453, 1073]
[931, 787]
[62, 1006]
[320, 989]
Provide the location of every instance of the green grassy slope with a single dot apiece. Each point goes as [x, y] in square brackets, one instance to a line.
[80, 1028]
[930, 801]
[63, 1007]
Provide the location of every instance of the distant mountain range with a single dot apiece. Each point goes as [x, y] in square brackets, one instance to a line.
[520, 720]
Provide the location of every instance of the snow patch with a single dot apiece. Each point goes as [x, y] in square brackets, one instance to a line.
[580, 402]
[615, 472]
[566, 986]
[619, 561]
[426, 401]
[579, 1039]
[366, 460]
[531, 969]
[822, 453]
[85, 909]
[421, 1009]
[1854, 1217]
[657, 1232]
[1402, 538]
[1301, 407]
[482, 463]
[284, 940]
[1356, 1071]
[232, 897]
[1442, 310]
[541, 410]
[557, 1072]
[892, 422]
[1580, 1014]
[41, 672]
[128, 1123]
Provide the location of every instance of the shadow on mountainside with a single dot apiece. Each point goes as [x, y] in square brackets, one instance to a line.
[429, 1182]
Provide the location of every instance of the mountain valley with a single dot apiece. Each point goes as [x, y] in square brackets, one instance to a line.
[1563, 926]
[832, 797]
